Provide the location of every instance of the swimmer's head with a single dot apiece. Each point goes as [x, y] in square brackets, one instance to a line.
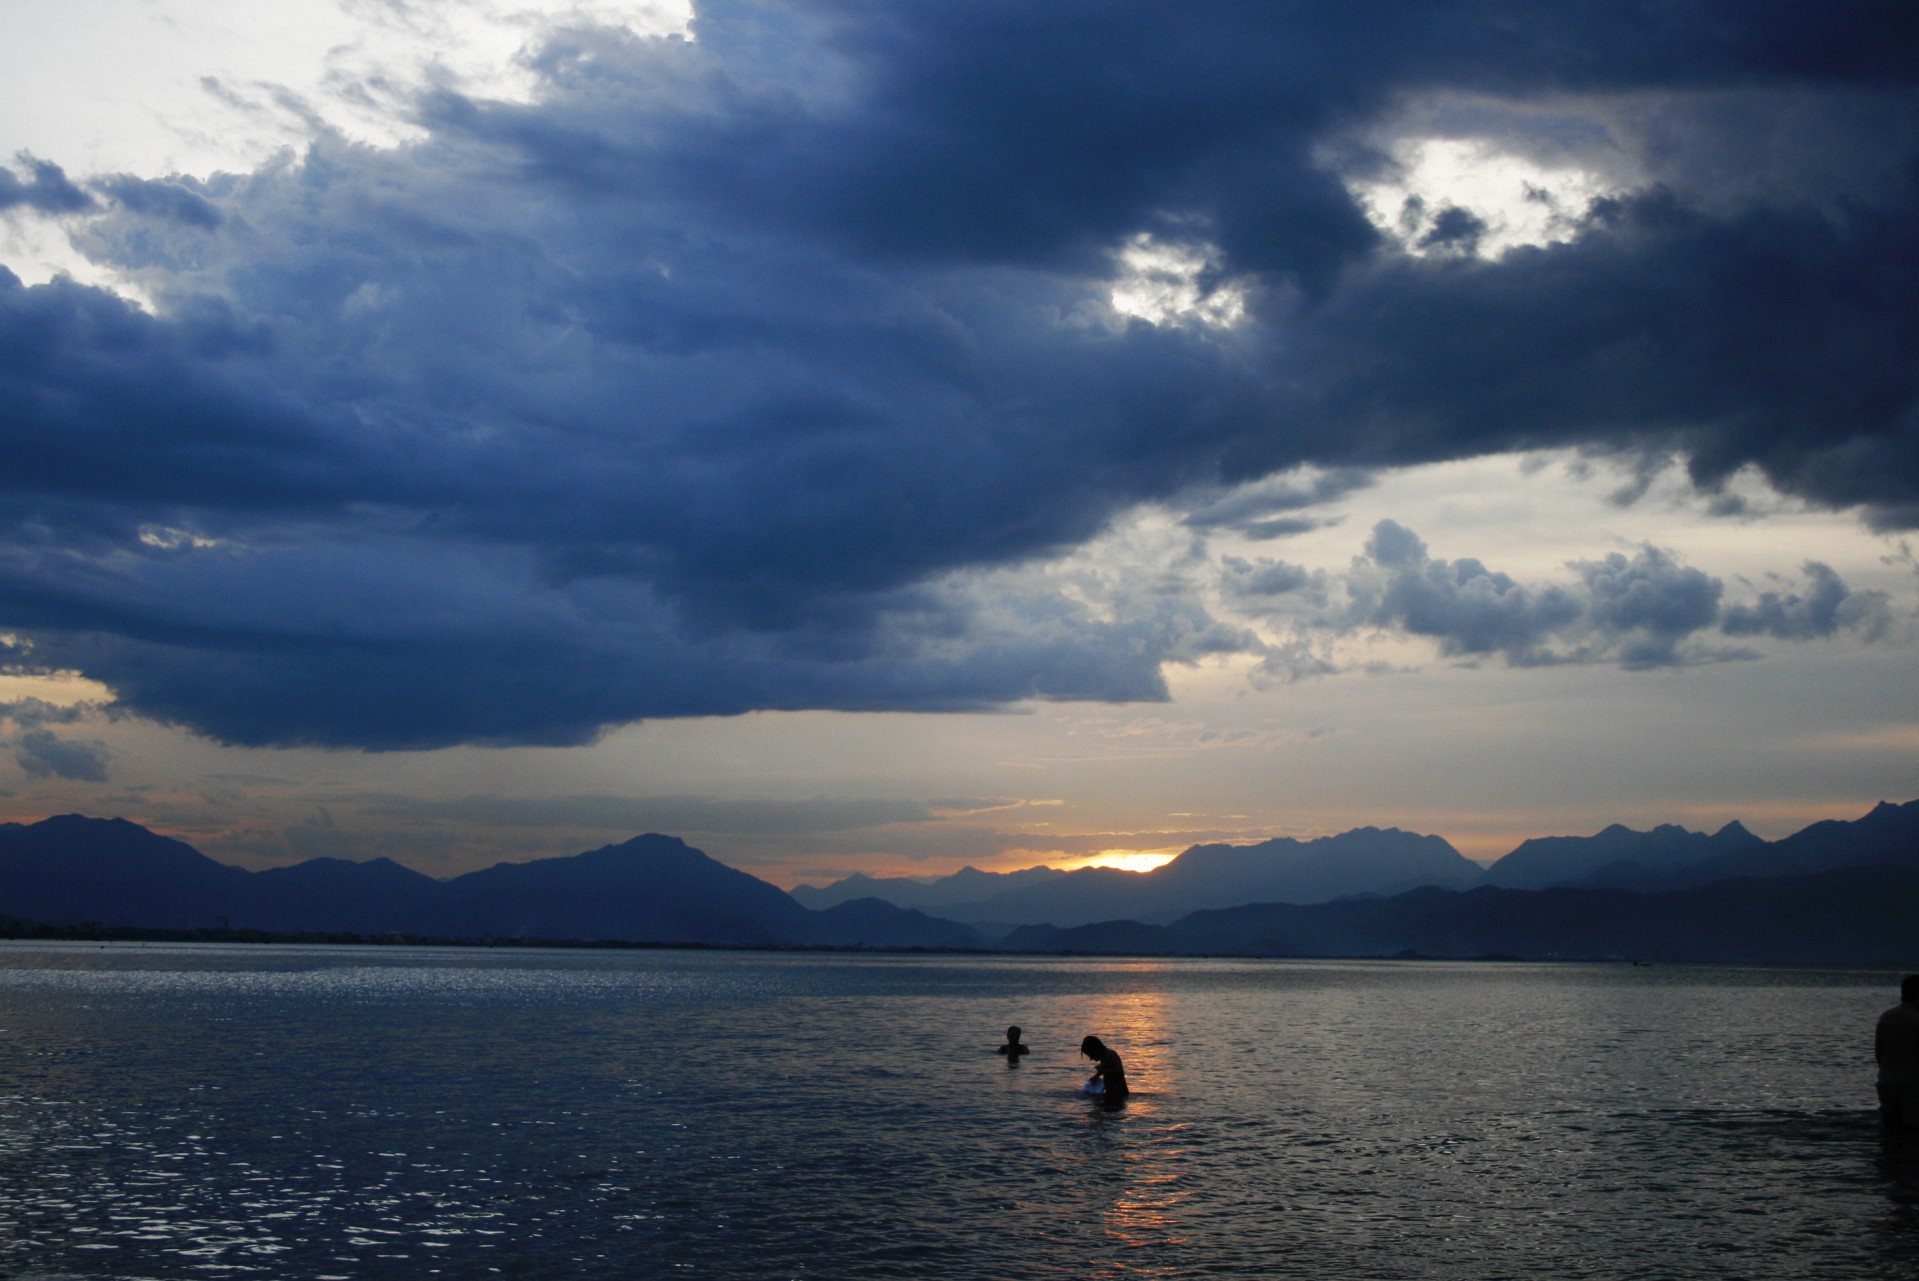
[1012, 1035]
[1092, 1047]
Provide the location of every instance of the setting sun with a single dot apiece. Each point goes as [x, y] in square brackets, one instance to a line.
[1126, 860]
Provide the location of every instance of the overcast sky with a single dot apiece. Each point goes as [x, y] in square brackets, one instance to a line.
[887, 437]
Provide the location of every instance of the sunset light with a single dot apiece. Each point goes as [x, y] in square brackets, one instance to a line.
[664, 637]
[1125, 860]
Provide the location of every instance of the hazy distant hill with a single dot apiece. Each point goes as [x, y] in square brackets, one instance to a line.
[1851, 916]
[326, 895]
[651, 887]
[872, 922]
[1368, 860]
[969, 885]
[70, 870]
[1618, 854]
[1671, 858]
[1887, 835]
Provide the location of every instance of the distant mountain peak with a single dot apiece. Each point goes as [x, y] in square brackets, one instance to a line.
[651, 845]
[59, 821]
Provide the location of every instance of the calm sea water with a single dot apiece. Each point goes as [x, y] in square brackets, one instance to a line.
[336, 1112]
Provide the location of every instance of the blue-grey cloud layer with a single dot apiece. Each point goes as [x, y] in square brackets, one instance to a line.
[682, 390]
[1641, 611]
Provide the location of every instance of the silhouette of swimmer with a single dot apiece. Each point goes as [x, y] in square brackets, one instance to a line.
[1895, 1045]
[1109, 1076]
[1013, 1049]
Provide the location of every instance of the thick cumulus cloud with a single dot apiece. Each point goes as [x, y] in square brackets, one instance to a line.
[1641, 611]
[1826, 607]
[704, 381]
[1466, 607]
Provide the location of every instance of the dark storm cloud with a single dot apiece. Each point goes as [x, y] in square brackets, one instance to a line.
[47, 189]
[1641, 611]
[1258, 511]
[1780, 339]
[1455, 229]
[708, 381]
[162, 200]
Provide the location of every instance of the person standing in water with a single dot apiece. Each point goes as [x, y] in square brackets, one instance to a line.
[1111, 1073]
[1895, 1045]
[1013, 1049]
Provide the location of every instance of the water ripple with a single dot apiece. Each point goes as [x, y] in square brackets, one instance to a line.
[321, 1113]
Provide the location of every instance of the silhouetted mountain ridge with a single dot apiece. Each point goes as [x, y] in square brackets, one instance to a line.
[71, 870]
[1836, 892]
[1366, 860]
[1847, 916]
[1547, 861]
[1380, 863]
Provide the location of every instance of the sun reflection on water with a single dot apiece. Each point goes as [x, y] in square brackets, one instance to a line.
[1137, 1150]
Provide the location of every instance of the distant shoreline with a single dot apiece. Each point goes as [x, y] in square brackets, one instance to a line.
[14, 931]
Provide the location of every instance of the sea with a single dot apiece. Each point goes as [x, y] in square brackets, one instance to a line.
[171, 1111]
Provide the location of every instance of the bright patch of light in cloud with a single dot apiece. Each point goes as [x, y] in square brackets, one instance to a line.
[1464, 195]
[222, 84]
[153, 89]
[166, 538]
[1166, 282]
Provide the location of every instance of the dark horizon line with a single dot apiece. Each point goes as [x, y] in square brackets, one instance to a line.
[15, 930]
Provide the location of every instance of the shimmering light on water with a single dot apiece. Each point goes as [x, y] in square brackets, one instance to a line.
[311, 1113]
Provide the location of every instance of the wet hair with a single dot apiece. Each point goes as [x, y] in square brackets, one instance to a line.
[1092, 1047]
[1012, 1033]
[1909, 988]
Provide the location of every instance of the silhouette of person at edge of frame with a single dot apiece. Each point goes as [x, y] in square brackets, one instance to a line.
[1110, 1072]
[1895, 1046]
[1013, 1049]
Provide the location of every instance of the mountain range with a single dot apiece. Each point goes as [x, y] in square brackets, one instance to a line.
[71, 870]
[1367, 860]
[1847, 916]
[1375, 862]
[1834, 892]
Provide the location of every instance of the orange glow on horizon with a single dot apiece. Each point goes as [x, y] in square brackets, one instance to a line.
[1126, 860]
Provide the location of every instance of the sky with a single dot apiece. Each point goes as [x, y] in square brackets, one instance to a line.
[887, 438]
